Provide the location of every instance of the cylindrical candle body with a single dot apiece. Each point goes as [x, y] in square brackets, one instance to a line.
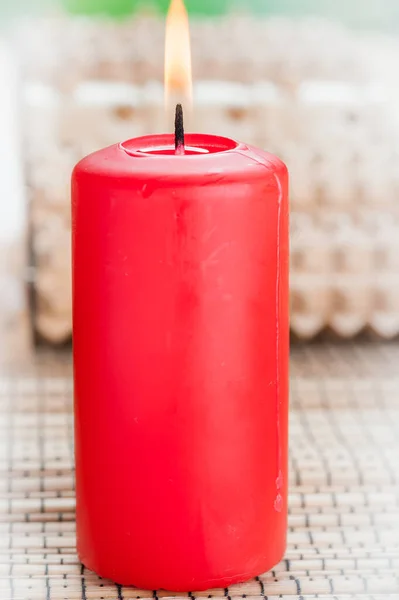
[180, 324]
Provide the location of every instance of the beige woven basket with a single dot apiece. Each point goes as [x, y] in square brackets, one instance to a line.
[319, 96]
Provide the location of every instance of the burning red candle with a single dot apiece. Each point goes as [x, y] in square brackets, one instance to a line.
[180, 298]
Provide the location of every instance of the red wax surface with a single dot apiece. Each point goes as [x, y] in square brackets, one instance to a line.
[180, 321]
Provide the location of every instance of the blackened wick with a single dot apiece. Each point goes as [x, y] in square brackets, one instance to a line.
[179, 128]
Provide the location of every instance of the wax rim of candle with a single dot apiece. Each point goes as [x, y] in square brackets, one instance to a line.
[197, 144]
[152, 160]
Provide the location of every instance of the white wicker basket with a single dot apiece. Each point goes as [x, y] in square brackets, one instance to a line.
[320, 97]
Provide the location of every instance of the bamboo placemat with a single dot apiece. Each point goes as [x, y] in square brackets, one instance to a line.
[344, 496]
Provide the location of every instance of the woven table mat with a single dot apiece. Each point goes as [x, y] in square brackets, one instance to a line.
[344, 496]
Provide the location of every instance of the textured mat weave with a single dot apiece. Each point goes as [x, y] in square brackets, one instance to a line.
[344, 495]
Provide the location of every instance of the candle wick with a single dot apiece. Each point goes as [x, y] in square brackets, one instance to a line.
[179, 130]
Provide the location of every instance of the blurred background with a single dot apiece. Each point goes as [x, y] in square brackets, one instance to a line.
[314, 82]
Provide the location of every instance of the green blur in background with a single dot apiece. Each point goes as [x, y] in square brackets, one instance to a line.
[119, 8]
[367, 14]
[371, 14]
[201, 7]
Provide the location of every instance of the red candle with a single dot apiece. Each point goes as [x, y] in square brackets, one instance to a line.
[180, 297]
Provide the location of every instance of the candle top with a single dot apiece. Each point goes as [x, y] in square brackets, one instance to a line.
[207, 160]
[164, 145]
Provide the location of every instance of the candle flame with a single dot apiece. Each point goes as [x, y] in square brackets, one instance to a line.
[178, 75]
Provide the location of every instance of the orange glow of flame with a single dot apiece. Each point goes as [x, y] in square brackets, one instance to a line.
[178, 75]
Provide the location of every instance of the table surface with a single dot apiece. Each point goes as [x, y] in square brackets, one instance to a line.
[344, 495]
